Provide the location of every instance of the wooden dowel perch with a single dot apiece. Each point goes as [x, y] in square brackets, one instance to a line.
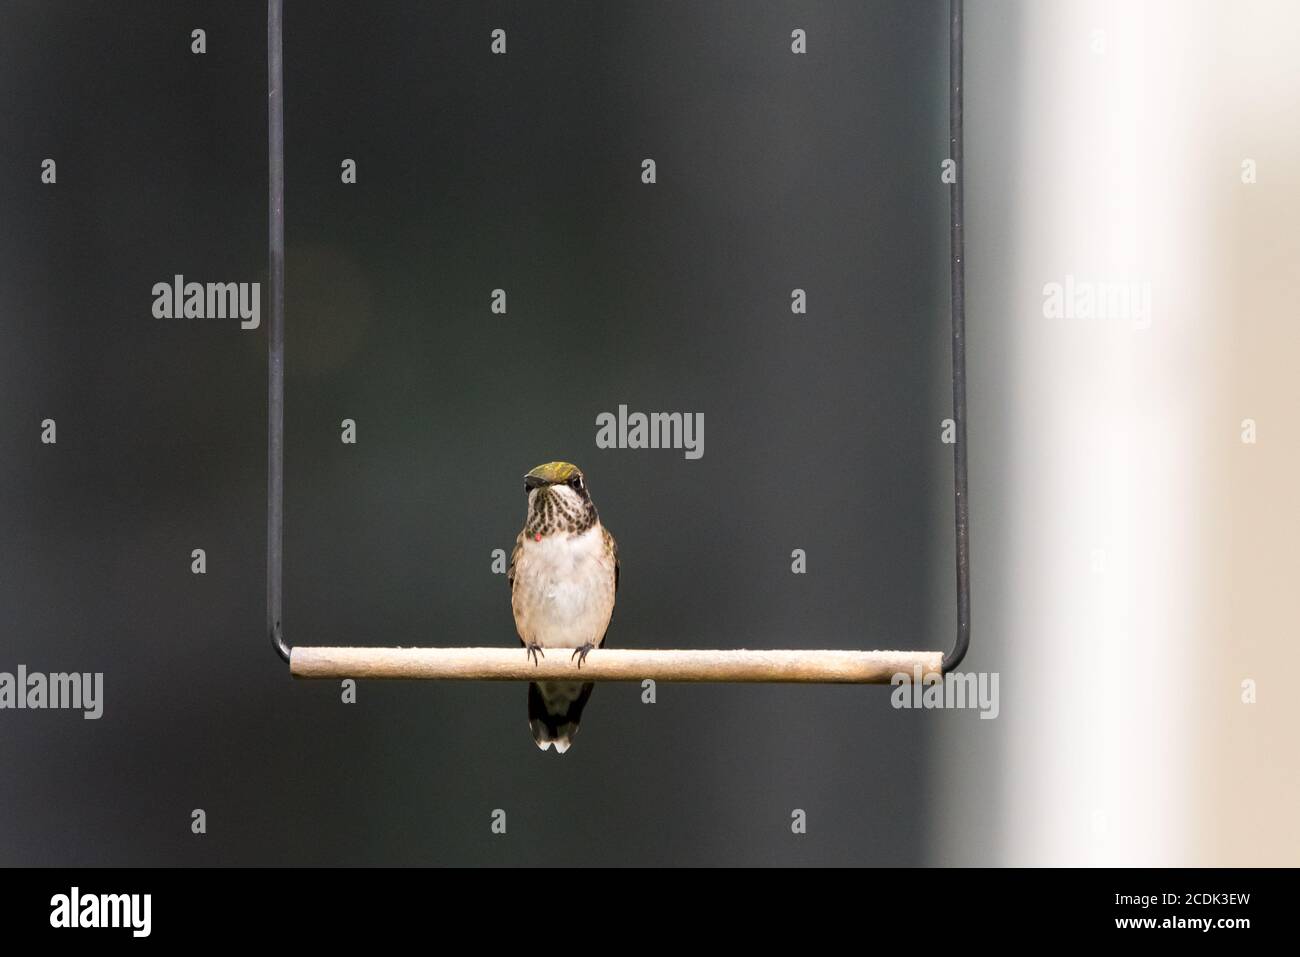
[612, 664]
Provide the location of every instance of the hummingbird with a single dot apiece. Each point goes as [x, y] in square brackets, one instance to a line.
[563, 577]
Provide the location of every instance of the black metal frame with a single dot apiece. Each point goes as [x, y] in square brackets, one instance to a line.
[961, 501]
[275, 334]
[275, 338]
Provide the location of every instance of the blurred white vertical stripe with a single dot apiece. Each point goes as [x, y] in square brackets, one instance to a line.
[1096, 150]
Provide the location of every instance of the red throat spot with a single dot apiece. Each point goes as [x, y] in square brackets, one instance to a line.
[537, 537]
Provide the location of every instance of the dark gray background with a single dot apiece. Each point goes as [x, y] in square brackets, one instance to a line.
[475, 172]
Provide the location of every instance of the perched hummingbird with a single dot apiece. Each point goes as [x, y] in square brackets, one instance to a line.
[563, 575]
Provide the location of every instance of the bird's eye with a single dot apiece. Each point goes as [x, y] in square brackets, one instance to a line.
[575, 483]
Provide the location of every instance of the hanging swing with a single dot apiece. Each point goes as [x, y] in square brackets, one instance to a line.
[602, 664]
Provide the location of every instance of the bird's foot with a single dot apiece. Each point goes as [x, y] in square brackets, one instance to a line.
[581, 653]
[532, 651]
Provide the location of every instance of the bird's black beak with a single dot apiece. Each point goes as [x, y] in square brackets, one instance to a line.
[532, 481]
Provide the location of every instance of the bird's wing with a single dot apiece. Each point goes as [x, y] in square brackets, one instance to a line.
[613, 549]
[510, 574]
[514, 558]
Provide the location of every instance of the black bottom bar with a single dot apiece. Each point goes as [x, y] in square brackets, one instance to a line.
[894, 909]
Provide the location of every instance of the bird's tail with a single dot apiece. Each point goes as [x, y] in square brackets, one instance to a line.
[554, 708]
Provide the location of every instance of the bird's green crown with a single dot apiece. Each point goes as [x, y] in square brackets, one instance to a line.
[554, 473]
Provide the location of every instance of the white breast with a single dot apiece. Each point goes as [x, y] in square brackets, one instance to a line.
[564, 590]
